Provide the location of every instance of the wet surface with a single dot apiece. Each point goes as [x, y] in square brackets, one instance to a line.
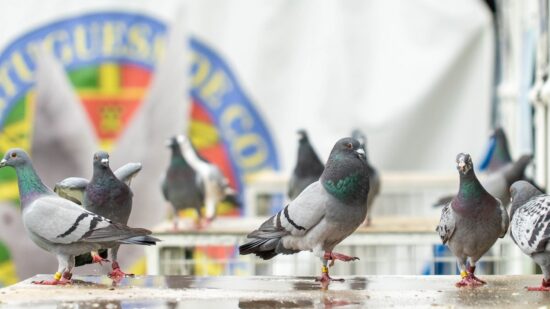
[275, 292]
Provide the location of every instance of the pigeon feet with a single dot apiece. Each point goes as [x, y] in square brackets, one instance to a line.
[325, 278]
[469, 279]
[58, 279]
[98, 259]
[333, 256]
[545, 287]
[117, 273]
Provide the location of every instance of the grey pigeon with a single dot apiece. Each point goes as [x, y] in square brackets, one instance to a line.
[181, 185]
[500, 155]
[216, 186]
[106, 194]
[62, 227]
[308, 167]
[374, 177]
[472, 222]
[530, 226]
[324, 214]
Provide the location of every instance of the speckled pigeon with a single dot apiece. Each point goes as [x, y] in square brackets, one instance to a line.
[472, 222]
[374, 177]
[324, 214]
[530, 226]
[106, 194]
[181, 185]
[308, 167]
[62, 227]
[216, 186]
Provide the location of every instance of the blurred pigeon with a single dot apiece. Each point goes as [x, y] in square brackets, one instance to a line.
[308, 167]
[325, 213]
[106, 194]
[498, 183]
[374, 177]
[529, 226]
[471, 223]
[182, 185]
[499, 154]
[62, 227]
[216, 186]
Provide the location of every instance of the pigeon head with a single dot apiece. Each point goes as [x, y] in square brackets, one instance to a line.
[346, 173]
[15, 157]
[101, 159]
[172, 142]
[302, 136]
[464, 163]
[520, 192]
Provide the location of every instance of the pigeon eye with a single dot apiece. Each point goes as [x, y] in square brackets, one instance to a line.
[13, 155]
[349, 145]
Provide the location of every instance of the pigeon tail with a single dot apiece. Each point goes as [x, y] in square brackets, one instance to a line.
[141, 240]
[262, 247]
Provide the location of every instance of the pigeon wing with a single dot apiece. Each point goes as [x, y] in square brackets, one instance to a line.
[530, 225]
[72, 188]
[446, 225]
[61, 221]
[127, 172]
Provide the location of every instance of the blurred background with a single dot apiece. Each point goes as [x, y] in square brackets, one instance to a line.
[423, 80]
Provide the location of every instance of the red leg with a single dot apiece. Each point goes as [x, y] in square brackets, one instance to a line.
[98, 259]
[117, 272]
[325, 279]
[473, 276]
[545, 287]
[333, 256]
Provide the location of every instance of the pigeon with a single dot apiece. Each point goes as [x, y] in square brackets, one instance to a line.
[62, 227]
[216, 186]
[374, 177]
[106, 194]
[472, 222]
[320, 217]
[308, 167]
[529, 226]
[181, 185]
[499, 153]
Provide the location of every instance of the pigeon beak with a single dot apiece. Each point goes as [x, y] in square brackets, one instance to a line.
[361, 153]
[462, 166]
[3, 163]
[105, 162]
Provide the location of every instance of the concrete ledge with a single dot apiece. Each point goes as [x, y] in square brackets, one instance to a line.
[274, 292]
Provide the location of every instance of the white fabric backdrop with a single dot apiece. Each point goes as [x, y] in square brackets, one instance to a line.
[414, 75]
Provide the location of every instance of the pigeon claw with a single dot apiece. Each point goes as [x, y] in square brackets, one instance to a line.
[99, 259]
[117, 273]
[545, 287]
[61, 281]
[470, 281]
[332, 256]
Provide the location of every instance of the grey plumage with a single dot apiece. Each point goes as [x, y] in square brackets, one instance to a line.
[325, 213]
[106, 194]
[181, 185]
[472, 222]
[60, 226]
[530, 226]
[308, 167]
[374, 176]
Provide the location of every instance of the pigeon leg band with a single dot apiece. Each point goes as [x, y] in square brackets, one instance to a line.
[324, 269]
[463, 274]
[57, 276]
